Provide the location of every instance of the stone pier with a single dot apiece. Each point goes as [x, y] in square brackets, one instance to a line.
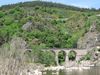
[79, 53]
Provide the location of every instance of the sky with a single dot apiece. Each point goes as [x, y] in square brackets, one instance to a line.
[78, 3]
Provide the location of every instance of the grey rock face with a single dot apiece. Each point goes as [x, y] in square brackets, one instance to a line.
[27, 26]
[90, 39]
[98, 40]
[18, 43]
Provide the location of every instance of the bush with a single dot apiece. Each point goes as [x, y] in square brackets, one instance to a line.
[61, 57]
[72, 55]
[1, 14]
[8, 20]
[47, 58]
[87, 56]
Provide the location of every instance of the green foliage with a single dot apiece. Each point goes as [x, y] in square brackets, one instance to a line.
[61, 57]
[8, 20]
[86, 57]
[72, 41]
[47, 58]
[15, 10]
[72, 55]
[54, 25]
[7, 32]
[1, 14]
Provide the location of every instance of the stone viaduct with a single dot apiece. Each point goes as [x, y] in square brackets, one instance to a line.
[79, 53]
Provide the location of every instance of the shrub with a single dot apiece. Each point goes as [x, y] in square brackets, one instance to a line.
[61, 57]
[72, 55]
[47, 58]
[1, 14]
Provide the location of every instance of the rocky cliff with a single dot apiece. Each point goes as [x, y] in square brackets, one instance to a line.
[90, 39]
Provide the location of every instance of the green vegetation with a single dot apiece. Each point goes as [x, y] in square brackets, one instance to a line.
[87, 56]
[61, 57]
[72, 55]
[47, 58]
[1, 14]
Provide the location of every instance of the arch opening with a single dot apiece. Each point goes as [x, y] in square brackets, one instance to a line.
[61, 57]
[72, 55]
[47, 58]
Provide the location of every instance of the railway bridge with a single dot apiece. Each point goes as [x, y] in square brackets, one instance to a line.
[79, 53]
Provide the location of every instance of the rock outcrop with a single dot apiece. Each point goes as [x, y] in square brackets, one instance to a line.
[27, 26]
[90, 39]
[18, 43]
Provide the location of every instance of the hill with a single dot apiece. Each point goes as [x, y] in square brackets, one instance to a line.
[45, 24]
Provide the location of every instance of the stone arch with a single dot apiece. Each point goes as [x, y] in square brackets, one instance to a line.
[72, 55]
[61, 57]
[46, 57]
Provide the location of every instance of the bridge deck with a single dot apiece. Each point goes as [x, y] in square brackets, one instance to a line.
[68, 49]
